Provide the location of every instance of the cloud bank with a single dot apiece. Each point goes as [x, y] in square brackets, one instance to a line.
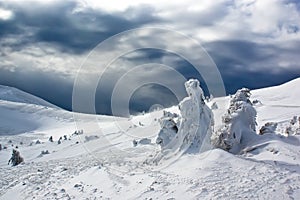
[44, 44]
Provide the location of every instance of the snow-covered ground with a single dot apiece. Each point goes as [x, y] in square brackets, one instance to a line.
[104, 163]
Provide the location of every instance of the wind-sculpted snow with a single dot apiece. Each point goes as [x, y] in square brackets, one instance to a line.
[191, 130]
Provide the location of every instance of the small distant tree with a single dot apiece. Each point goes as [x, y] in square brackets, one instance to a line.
[78, 132]
[16, 158]
[269, 127]
[44, 152]
[289, 131]
[292, 128]
[214, 106]
[134, 142]
[59, 141]
[293, 120]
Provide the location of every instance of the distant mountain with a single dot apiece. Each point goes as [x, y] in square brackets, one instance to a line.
[15, 95]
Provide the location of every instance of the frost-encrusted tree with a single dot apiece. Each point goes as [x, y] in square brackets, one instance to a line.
[269, 127]
[15, 158]
[191, 130]
[196, 119]
[293, 128]
[169, 129]
[214, 106]
[239, 123]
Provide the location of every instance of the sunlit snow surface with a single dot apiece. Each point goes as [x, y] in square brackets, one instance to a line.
[103, 162]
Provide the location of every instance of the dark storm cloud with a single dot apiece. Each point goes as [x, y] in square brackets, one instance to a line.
[8, 27]
[236, 52]
[252, 56]
[53, 87]
[66, 27]
[72, 31]
[155, 95]
[253, 65]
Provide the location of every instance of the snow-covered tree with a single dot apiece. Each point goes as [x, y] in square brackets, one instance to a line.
[15, 158]
[191, 130]
[214, 106]
[293, 128]
[59, 140]
[196, 118]
[269, 127]
[169, 129]
[289, 131]
[239, 123]
[293, 120]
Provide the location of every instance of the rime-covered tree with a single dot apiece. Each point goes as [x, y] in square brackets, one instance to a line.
[169, 129]
[269, 127]
[191, 129]
[239, 123]
[16, 158]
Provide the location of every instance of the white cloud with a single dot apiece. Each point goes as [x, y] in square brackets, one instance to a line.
[41, 57]
[6, 14]
[116, 5]
[264, 22]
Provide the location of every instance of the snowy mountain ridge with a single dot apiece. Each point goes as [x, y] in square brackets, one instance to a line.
[286, 94]
[15, 95]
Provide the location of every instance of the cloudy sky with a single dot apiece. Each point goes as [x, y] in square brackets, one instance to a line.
[48, 45]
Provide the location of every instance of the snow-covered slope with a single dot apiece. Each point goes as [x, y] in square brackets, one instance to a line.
[278, 103]
[15, 95]
[104, 163]
[286, 94]
[21, 112]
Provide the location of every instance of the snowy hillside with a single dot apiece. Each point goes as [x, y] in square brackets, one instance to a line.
[102, 157]
[16, 95]
[279, 103]
[21, 112]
